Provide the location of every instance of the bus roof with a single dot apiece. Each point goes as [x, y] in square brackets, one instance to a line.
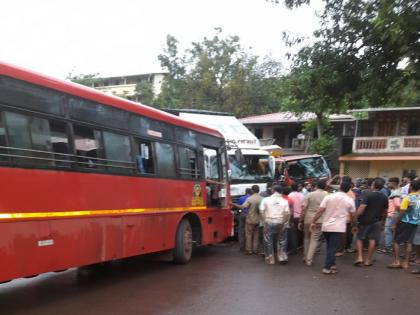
[100, 97]
[288, 158]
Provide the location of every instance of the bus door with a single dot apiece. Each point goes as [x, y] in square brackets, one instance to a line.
[214, 177]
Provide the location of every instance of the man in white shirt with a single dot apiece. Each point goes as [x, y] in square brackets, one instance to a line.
[275, 213]
[335, 208]
[405, 185]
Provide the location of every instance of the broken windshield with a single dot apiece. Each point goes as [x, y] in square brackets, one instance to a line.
[301, 170]
[253, 169]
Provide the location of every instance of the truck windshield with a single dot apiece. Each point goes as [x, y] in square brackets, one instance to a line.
[301, 170]
[253, 169]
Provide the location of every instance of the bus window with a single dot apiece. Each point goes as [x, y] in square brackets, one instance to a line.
[41, 140]
[212, 174]
[3, 141]
[60, 143]
[224, 165]
[188, 167]
[30, 139]
[19, 136]
[88, 147]
[185, 136]
[144, 157]
[117, 152]
[165, 158]
[30, 96]
[211, 164]
[84, 110]
[33, 140]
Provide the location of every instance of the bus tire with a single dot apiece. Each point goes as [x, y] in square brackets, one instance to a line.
[183, 243]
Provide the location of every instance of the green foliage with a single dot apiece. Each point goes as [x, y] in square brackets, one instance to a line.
[83, 79]
[218, 74]
[375, 44]
[356, 60]
[144, 90]
[315, 85]
[311, 125]
[323, 145]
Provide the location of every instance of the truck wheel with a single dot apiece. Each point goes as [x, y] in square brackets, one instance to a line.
[183, 243]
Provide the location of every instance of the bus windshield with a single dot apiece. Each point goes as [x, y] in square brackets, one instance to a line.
[253, 169]
[303, 169]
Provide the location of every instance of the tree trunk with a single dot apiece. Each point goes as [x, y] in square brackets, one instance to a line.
[319, 127]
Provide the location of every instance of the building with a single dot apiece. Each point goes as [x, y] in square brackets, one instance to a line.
[386, 143]
[285, 130]
[125, 86]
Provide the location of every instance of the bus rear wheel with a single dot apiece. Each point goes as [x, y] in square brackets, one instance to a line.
[183, 243]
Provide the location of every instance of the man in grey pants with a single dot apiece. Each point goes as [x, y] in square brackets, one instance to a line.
[310, 207]
[275, 212]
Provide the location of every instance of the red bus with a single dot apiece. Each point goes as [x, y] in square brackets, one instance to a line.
[88, 178]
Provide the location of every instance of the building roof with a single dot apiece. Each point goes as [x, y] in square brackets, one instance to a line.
[289, 117]
[384, 109]
[288, 158]
[177, 111]
[131, 76]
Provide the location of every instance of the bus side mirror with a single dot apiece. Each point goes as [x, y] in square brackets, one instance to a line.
[272, 165]
[229, 172]
[239, 156]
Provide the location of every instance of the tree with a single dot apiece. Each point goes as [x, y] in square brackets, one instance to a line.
[316, 84]
[356, 59]
[144, 90]
[84, 79]
[382, 39]
[216, 74]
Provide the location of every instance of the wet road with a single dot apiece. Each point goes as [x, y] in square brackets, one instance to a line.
[219, 280]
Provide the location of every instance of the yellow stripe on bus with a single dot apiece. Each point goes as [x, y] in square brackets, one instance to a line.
[56, 214]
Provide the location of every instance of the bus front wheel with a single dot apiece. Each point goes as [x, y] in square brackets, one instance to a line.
[183, 243]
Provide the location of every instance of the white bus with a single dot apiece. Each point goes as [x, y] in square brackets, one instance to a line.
[247, 162]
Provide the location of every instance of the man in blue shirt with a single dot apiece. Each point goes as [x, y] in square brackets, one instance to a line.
[241, 219]
[406, 224]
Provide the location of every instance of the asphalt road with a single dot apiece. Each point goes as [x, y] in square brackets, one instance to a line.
[218, 281]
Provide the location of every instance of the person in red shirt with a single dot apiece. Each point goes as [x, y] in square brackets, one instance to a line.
[285, 191]
[295, 235]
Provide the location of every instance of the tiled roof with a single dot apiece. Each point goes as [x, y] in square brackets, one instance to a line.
[283, 117]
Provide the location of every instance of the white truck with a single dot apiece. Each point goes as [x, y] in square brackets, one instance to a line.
[247, 162]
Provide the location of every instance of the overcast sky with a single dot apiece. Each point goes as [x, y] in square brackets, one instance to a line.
[122, 37]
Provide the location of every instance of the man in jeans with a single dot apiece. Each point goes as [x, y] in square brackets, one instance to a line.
[393, 211]
[275, 213]
[241, 219]
[406, 225]
[252, 220]
[335, 208]
[310, 207]
[370, 214]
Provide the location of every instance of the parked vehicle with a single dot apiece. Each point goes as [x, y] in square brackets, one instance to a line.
[247, 161]
[301, 168]
[89, 178]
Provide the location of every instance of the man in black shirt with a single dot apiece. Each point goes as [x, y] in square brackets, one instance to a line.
[370, 214]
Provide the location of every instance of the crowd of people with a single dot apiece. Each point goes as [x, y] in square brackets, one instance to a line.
[360, 216]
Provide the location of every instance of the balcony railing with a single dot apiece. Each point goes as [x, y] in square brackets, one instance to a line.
[120, 90]
[401, 144]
